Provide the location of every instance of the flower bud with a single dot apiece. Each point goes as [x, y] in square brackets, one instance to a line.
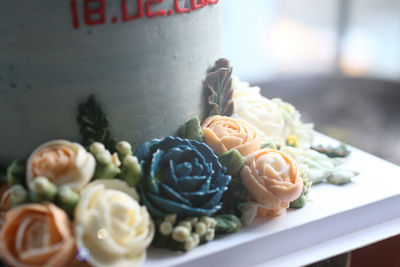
[43, 190]
[131, 171]
[16, 172]
[233, 161]
[186, 224]
[170, 218]
[19, 195]
[210, 234]
[105, 167]
[67, 199]
[193, 220]
[196, 238]
[189, 244]
[207, 221]
[180, 233]
[201, 228]
[192, 130]
[165, 228]
[104, 157]
[96, 148]
[124, 149]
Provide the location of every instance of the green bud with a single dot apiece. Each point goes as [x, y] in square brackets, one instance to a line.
[186, 224]
[124, 149]
[16, 172]
[105, 167]
[170, 218]
[300, 202]
[227, 223]
[165, 228]
[19, 195]
[233, 161]
[193, 220]
[67, 199]
[180, 233]
[43, 190]
[104, 157]
[192, 130]
[201, 228]
[96, 148]
[210, 234]
[131, 171]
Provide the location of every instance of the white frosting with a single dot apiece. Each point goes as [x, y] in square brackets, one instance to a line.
[147, 73]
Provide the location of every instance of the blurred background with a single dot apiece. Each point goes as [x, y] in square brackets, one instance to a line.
[337, 61]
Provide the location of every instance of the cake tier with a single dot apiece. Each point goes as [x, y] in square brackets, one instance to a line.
[144, 61]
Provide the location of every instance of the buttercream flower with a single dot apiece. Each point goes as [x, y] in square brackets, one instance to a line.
[181, 176]
[261, 113]
[272, 179]
[62, 163]
[223, 134]
[37, 235]
[111, 224]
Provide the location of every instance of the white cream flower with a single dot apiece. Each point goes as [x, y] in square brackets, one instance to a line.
[263, 114]
[111, 225]
[241, 88]
[304, 132]
[63, 163]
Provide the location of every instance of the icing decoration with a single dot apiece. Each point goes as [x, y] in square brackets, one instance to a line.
[111, 224]
[340, 151]
[37, 235]
[125, 14]
[97, 15]
[235, 198]
[181, 176]
[219, 84]
[94, 11]
[227, 223]
[106, 166]
[62, 162]
[261, 113]
[94, 125]
[184, 235]
[148, 11]
[233, 161]
[223, 134]
[42, 190]
[16, 172]
[272, 179]
[192, 130]
[301, 201]
[131, 171]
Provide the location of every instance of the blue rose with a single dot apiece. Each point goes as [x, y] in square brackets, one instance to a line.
[181, 176]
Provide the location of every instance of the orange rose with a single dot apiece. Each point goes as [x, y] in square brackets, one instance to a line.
[272, 179]
[225, 133]
[5, 202]
[63, 163]
[37, 235]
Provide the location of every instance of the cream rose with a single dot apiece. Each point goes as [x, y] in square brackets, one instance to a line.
[272, 179]
[225, 133]
[111, 224]
[261, 113]
[37, 235]
[63, 163]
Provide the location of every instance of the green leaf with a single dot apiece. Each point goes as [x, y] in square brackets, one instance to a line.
[235, 198]
[16, 172]
[192, 130]
[94, 125]
[219, 84]
[233, 161]
[227, 223]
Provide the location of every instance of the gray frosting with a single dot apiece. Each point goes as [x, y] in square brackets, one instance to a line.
[147, 74]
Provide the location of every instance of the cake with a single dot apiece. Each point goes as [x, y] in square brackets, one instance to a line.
[141, 72]
[145, 61]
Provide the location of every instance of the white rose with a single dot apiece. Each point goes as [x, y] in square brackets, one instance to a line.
[241, 88]
[63, 163]
[293, 124]
[261, 113]
[111, 225]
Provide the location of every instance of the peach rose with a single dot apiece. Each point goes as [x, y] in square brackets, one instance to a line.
[37, 235]
[63, 163]
[225, 133]
[5, 202]
[272, 179]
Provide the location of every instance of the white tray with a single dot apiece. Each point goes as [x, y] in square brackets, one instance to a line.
[335, 220]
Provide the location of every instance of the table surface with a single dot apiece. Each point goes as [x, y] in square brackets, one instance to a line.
[335, 220]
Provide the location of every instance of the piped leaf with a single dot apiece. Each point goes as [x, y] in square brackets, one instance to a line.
[219, 84]
[333, 152]
[94, 125]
